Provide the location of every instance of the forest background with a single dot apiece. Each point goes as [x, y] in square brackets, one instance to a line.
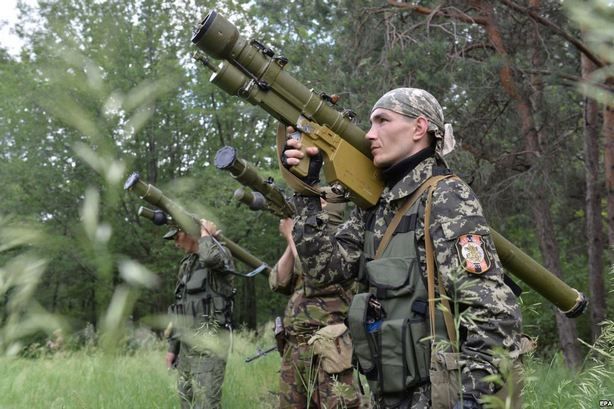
[105, 88]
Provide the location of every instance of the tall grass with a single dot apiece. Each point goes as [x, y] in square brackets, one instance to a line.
[550, 384]
[91, 378]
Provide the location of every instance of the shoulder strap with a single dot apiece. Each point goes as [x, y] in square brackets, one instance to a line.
[430, 182]
[430, 271]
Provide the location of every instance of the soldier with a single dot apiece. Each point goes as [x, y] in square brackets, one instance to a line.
[316, 369]
[202, 317]
[438, 245]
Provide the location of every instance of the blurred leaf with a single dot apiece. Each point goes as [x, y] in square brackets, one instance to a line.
[137, 275]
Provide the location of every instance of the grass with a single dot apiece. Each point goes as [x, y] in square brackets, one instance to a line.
[550, 384]
[87, 380]
[92, 379]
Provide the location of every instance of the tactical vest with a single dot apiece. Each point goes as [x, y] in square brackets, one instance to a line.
[393, 346]
[203, 295]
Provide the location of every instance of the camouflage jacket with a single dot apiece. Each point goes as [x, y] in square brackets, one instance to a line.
[314, 302]
[456, 212]
[218, 261]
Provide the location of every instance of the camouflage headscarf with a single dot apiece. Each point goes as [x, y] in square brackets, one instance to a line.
[413, 102]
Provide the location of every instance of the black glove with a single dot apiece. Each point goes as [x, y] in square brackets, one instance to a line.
[313, 175]
[468, 402]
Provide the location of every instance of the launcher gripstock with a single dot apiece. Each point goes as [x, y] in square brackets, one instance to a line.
[253, 72]
[173, 214]
[267, 196]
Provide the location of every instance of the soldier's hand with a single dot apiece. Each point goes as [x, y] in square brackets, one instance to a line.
[285, 228]
[170, 359]
[208, 228]
[292, 155]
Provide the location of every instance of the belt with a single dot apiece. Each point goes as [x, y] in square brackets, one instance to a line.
[298, 339]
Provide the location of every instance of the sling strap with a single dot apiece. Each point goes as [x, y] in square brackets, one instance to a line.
[430, 182]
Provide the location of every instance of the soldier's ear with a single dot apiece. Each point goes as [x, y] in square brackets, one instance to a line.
[421, 128]
[422, 125]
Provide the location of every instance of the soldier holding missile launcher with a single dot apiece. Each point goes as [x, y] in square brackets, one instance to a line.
[202, 311]
[316, 369]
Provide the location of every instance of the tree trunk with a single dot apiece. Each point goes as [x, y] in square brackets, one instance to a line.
[249, 303]
[540, 200]
[594, 227]
[54, 297]
[548, 246]
[608, 137]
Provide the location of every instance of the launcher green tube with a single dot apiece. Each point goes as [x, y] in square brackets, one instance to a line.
[252, 71]
[226, 159]
[569, 300]
[187, 221]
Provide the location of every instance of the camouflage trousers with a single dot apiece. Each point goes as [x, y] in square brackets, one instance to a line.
[419, 398]
[303, 384]
[200, 379]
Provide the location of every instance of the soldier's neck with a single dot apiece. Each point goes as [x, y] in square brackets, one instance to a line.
[396, 172]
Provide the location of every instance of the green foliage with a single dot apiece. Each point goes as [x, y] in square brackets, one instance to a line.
[89, 378]
[91, 116]
[595, 19]
[553, 385]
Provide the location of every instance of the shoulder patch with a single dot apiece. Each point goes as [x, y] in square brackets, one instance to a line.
[472, 253]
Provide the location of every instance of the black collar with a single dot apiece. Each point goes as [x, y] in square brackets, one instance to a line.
[396, 172]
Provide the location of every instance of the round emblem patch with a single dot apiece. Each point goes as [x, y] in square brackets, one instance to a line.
[472, 254]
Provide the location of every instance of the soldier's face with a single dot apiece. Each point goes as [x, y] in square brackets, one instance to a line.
[393, 137]
[184, 242]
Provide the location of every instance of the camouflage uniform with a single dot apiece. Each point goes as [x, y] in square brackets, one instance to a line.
[456, 215]
[202, 318]
[303, 380]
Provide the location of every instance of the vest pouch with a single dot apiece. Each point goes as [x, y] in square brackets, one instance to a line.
[362, 340]
[445, 379]
[418, 353]
[197, 281]
[392, 346]
[219, 303]
[205, 307]
[390, 276]
[404, 358]
[332, 344]
[221, 309]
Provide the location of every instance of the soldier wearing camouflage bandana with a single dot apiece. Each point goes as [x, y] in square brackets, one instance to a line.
[408, 139]
[306, 378]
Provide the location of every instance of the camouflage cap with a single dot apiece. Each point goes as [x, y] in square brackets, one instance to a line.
[413, 102]
[171, 233]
